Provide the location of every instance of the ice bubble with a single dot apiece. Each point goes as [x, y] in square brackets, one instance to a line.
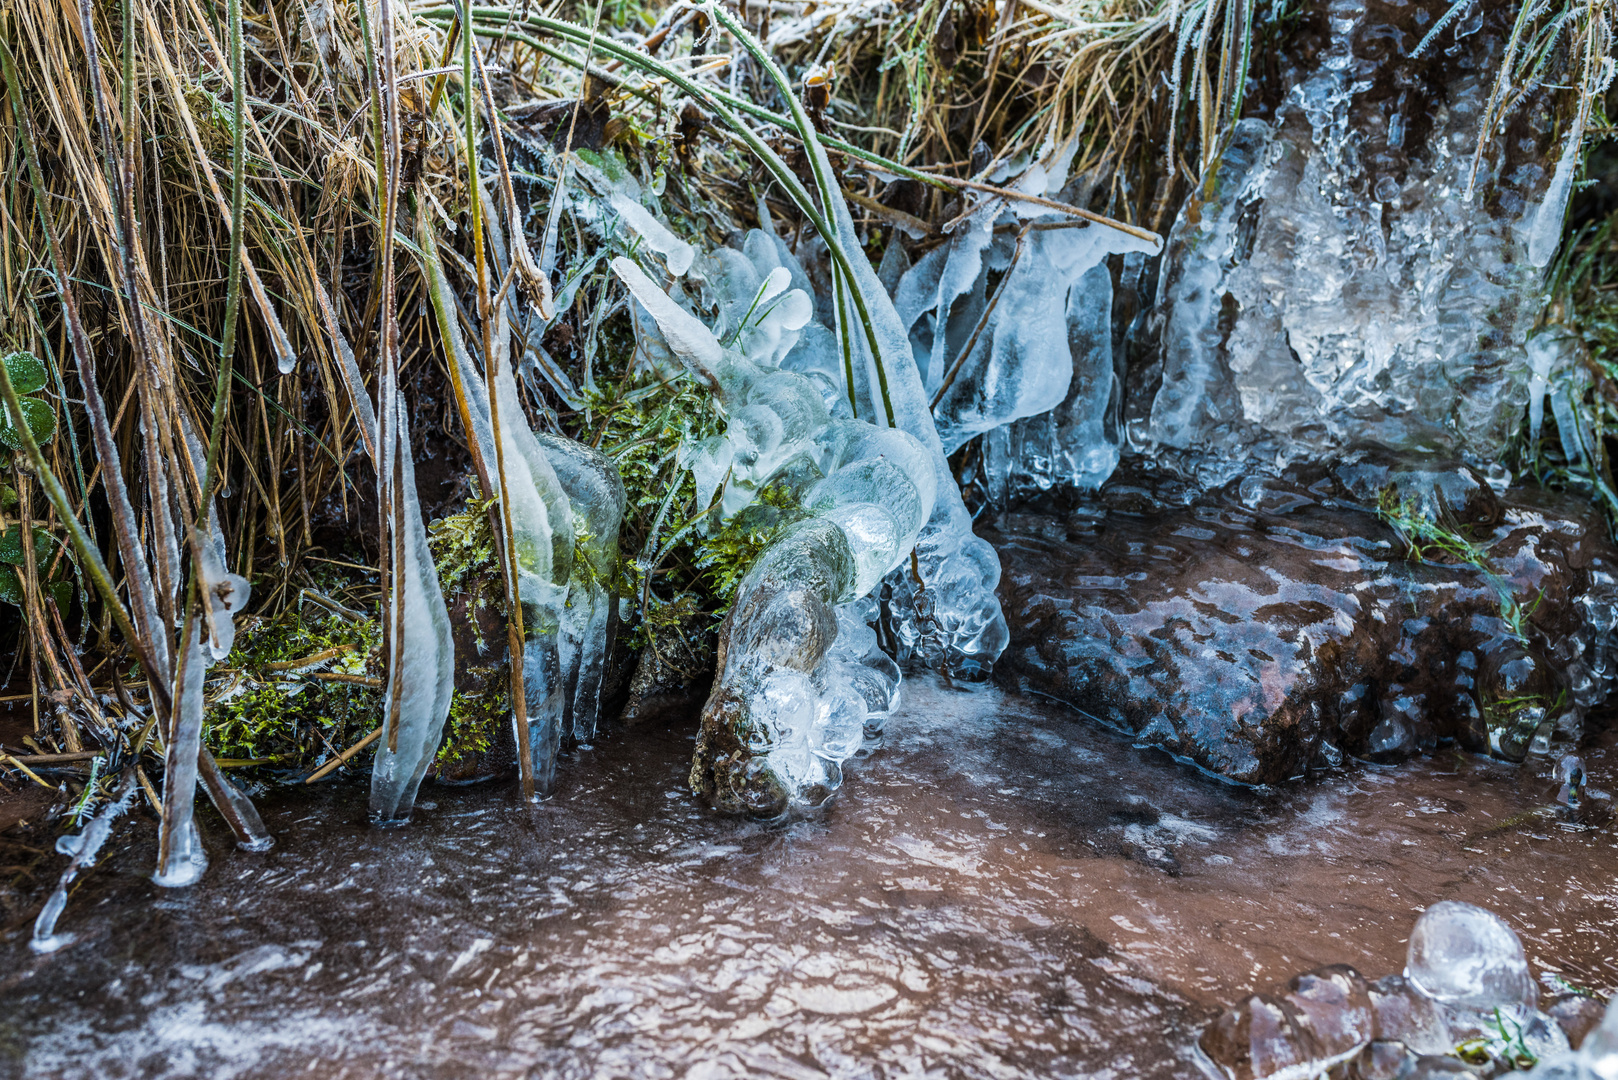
[1469, 959]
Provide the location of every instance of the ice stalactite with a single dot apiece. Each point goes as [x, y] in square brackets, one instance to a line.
[1545, 228]
[208, 635]
[800, 678]
[1076, 444]
[596, 494]
[421, 650]
[1016, 350]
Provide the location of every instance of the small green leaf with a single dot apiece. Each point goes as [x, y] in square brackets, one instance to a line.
[26, 370]
[10, 587]
[41, 421]
[62, 593]
[8, 496]
[11, 546]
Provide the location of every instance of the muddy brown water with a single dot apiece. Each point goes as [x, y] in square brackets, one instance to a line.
[1003, 890]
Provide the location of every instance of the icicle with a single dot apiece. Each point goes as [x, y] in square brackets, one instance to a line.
[677, 254]
[1017, 361]
[181, 858]
[596, 495]
[1545, 230]
[421, 651]
[84, 847]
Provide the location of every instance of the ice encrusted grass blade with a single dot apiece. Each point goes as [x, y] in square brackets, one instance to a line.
[772, 161]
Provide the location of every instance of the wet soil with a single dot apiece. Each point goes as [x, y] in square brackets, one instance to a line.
[1005, 889]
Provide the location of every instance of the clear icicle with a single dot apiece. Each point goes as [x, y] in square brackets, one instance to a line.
[566, 504]
[1077, 444]
[596, 495]
[421, 651]
[181, 858]
[1545, 228]
[677, 254]
[954, 622]
[84, 847]
[1019, 362]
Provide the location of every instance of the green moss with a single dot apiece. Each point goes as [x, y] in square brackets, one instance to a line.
[475, 721]
[287, 717]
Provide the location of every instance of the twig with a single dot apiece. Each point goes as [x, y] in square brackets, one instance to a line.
[337, 762]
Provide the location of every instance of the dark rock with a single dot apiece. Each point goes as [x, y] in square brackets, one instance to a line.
[1257, 1038]
[1276, 620]
[1577, 1015]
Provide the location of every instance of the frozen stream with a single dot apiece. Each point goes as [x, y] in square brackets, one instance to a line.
[1004, 890]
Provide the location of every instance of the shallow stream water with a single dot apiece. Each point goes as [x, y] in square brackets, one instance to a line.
[1003, 890]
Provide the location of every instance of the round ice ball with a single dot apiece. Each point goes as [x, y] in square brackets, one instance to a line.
[1468, 958]
[839, 721]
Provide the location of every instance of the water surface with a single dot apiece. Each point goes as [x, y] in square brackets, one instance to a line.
[1003, 890]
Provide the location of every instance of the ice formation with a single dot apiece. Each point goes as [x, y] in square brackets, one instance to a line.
[1331, 281]
[800, 676]
[1039, 338]
[1595, 1059]
[421, 651]
[565, 502]
[208, 636]
[942, 610]
[1468, 958]
[83, 847]
[1467, 988]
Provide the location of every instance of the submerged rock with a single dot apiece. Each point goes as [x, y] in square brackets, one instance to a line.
[1282, 621]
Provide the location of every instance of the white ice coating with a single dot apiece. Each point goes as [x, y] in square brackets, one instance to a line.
[800, 667]
[421, 650]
